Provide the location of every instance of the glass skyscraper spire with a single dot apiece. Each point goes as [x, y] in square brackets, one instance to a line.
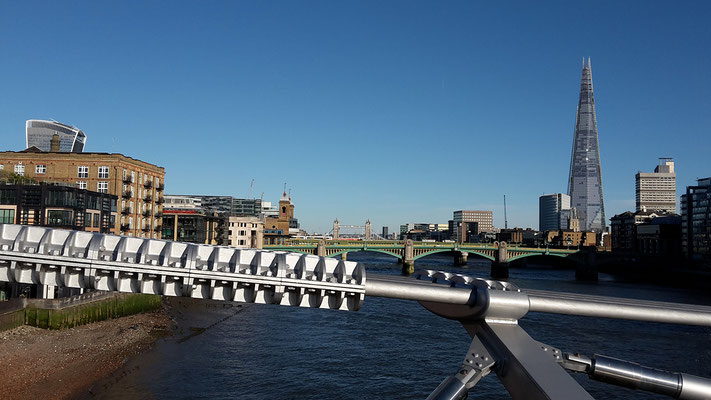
[585, 181]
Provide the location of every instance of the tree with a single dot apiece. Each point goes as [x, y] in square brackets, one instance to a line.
[12, 178]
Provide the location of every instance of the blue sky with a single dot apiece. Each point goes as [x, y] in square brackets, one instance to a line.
[396, 111]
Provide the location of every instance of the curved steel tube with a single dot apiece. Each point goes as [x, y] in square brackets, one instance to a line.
[544, 301]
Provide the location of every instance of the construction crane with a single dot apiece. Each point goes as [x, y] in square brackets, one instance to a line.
[249, 195]
[506, 221]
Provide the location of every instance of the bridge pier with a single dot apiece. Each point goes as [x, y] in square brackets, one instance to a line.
[45, 291]
[460, 258]
[500, 265]
[344, 256]
[587, 269]
[408, 259]
[321, 248]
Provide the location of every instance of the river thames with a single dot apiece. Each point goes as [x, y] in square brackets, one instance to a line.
[391, 348]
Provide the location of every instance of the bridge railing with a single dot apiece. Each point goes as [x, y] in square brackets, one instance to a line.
[489, 310]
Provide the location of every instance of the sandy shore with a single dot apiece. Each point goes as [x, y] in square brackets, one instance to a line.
[38, 363]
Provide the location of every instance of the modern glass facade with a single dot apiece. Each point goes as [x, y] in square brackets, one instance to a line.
[550, 207]
[585, 179]
[696, 220]
[233, 206]
[58, 206]
[39, 134]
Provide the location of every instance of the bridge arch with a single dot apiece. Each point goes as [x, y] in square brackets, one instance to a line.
[390, 253]
[524, 255]
[429, 252]
[300, 251]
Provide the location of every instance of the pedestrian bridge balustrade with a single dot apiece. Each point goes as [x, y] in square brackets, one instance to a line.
[488, 309]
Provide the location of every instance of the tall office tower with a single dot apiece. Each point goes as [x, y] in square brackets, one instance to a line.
[550, 207]
[39, 134]
[585, 181]
[656, 190]
[696, 220]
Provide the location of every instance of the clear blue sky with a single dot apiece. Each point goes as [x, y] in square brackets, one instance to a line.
[397, 111]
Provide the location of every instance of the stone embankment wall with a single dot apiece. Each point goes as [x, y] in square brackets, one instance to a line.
[74, 311]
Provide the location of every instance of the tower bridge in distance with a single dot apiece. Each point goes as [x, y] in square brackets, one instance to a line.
[362, 232]
[407, 252]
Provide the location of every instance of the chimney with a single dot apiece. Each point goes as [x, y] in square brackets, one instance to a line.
[54, 144]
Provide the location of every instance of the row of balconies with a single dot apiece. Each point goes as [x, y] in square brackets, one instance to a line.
[147, 198]
[148, 184]
[157, 228]
[147, 213]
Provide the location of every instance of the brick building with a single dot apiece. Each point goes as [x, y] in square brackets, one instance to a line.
[624, 228]
[137, 184]
[278, 229]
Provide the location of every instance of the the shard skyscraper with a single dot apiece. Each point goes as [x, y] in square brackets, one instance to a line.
[585, 181]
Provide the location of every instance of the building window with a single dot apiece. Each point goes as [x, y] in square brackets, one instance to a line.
[102, 187]
[60, 218]
[40, 169]
[87, 220]
[7, 216]
[20, 169]
[82, 171]
[103, 172]
[81, 185]
[96, 220]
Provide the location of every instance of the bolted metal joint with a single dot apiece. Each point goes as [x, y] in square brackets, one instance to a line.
[493, 301]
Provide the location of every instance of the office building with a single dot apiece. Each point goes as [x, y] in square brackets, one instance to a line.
[466, 225]
[585, 179]
[656, 191]
[138, 184]
[485, 219]
[58, 206]
[235, 206]
[183, 202]
[194, 226]
[551, 213]
[696, 221]
[269, 210]
[39, 134]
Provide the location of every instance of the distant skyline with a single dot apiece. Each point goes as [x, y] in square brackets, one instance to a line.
[397, 112]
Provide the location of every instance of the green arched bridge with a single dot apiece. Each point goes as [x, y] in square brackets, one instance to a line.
[408, 251]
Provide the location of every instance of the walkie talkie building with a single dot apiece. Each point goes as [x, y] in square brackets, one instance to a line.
[585, 181]
[40, 133]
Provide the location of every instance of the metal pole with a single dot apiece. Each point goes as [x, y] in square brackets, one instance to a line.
[396, 287]
[618, 308]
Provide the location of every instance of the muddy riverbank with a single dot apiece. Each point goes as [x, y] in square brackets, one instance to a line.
[63, 364]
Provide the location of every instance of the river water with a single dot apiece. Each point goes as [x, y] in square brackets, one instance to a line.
[391, 348]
